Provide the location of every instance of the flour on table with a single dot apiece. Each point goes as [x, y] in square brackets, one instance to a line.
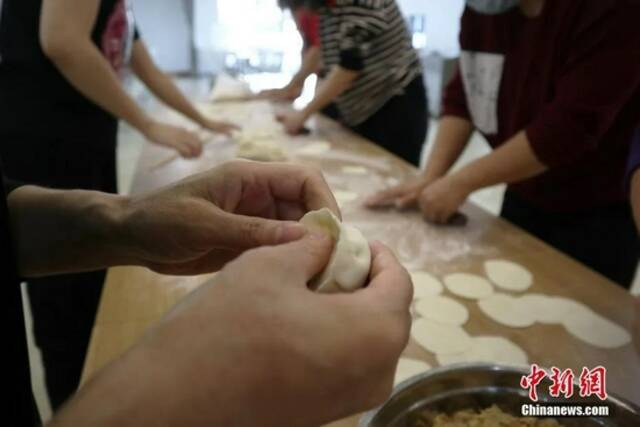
[508, 275]
[440, 338]
[488, 349]
[507, 310]
[408, 368]
[442, 309]
[468, 286]
[425, 285]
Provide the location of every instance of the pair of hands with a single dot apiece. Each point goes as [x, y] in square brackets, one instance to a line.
[187, 143]
[254, 346]
[439, 199]
[285, 94]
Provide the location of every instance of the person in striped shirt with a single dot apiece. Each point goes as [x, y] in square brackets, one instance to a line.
[373, 74]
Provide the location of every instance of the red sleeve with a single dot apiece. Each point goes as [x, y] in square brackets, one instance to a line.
[597, 80]
[454, 100]
[307, 22]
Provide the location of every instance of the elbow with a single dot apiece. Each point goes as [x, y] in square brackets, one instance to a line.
[56, 48]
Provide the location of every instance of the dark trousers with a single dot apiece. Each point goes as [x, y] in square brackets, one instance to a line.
[64, 306]
[400, 126]
[603, 238]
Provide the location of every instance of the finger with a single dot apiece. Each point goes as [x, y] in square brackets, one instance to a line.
[296, 262]
[295, 183]
[390, 283]
[280, 117]
[233, 231]
[407, 201]
[291, 211]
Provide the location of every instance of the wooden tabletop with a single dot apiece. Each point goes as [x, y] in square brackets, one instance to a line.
[134, 298]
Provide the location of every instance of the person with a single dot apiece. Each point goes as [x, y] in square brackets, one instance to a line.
[633, 178]
[554, 87]
[307, 22]
[373, 74]
[60, 101]
[241, 217]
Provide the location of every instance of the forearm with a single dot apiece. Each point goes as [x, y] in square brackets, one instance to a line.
[166, 90]
[89, 72]
[451, 139]
[59, 231]
[310, 64]
[512, 162]
[339, 80]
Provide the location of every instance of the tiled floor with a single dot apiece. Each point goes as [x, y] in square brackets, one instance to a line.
[130, 143]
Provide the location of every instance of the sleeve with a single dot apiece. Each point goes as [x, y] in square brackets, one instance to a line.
[308, 23]
[634, 158]
[597, 80]
[454, 99]
[360, 25]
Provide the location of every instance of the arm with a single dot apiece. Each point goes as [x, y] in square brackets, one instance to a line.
[65, 37]
[293, 89]
[165, 89]
[207, 333]
[339, 80]
[193, 226]
[452, 137]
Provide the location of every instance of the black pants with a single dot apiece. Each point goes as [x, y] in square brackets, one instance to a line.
[400, 126]
[64, 306]
[604, 239]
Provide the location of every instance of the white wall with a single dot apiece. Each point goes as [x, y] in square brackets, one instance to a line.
[442, 23]
[164, 25]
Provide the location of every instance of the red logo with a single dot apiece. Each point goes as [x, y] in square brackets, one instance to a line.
[592, 382]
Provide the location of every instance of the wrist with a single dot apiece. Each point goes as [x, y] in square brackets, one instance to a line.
[109, 227]
[463, 182]
[144, 125]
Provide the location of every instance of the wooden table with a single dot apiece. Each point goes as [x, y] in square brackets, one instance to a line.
[134, 298]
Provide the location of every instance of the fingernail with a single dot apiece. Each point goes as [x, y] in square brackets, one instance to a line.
[289, 232]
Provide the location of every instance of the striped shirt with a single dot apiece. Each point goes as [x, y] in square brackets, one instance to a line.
[369, 36]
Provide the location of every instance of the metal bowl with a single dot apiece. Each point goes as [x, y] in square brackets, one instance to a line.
[478, 386]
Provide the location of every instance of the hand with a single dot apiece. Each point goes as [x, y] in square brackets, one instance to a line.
[402, 196]
[183, 141]
[293, 121]
[219, 126]
[440, 200]
[256, 338]
[200, 223]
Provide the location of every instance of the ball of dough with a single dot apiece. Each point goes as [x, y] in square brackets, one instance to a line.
[350, 261]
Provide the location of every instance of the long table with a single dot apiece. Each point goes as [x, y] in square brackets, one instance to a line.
[135, 298]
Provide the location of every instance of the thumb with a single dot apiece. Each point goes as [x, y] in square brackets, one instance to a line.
[235, 231]
[299, 261]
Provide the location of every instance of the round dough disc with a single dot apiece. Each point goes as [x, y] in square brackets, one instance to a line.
[596, 330]
[314, 148]
[507, 310]
[440, 338]
[408, 368]
[425, 285]
[443, 310]
[355, 170]
[488, 349]
[468, 286]
[508, 275]
[550, 310]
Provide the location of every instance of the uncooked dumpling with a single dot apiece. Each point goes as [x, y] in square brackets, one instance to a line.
[508, 275]
[349, 264]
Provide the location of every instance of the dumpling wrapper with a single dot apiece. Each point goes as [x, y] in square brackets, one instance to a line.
[350, 261]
